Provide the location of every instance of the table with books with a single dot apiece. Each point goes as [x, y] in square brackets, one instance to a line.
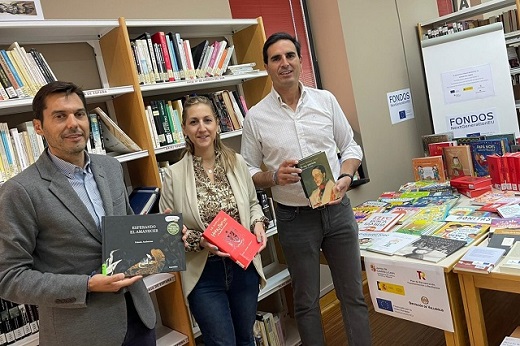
[431, 216]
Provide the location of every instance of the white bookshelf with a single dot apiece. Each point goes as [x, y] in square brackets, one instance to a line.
[31, 340]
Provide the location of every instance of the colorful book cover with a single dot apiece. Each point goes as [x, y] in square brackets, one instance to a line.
[458, 161]
[231, 237]
[467, 232]
[505, 223]
[408, 212]
[479, 152]
[435, 138]
[380, 222]
[142, 244]
[431, 213]
[435, 149]
[317, 179]
[431, 248]
[428, 168]
[361, 212]
[420, 227]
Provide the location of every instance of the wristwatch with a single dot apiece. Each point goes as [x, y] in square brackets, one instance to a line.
[342, 175]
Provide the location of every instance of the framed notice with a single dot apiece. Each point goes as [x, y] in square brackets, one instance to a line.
[412, 291]
[470, 88]
[20, 10]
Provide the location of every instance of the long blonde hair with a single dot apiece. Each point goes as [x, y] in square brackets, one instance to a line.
[228, 154]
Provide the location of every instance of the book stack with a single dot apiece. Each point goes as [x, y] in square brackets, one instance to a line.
[472, 186]
[241, 69]
[22, 73]
[167, 57]
[18, 321]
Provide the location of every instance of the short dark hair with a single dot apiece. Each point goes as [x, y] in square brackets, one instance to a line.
[319, 167]
[277, 37]
[57, 87]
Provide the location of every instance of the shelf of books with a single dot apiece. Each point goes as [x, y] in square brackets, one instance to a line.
[31, 340]
[277, 277]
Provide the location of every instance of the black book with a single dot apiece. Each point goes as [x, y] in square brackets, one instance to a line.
[317, 179]
[144, 200]
[142, 244]
[504, 238]
[196, 53]
[7, 327]
[264, 202]
[431, 248]
[33, 318]
[17, 322]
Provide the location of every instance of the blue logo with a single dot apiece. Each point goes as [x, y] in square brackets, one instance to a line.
[402, 114]
[384, 304]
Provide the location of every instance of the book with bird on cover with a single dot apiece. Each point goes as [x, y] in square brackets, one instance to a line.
[142, 244]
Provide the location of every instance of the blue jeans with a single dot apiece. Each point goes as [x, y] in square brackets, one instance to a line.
[303, 232]
[224, 302]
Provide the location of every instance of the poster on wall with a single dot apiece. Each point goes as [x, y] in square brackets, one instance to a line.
[20, 10]
[400, 105]
[483, 121]
[470, 83]
[412, 291]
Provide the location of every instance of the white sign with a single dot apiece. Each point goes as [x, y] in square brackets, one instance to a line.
[466, 84]
[483, 122]
[412, 291]
[400, 105]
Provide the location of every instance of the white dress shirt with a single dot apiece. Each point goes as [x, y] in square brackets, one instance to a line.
[273, 132]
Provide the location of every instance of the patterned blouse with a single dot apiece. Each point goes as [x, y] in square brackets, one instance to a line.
[211, 198]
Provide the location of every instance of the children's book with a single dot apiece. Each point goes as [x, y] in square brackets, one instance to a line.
[469, 214]
[431, 248]
[510, 210]
[428, 168]
[394, 242]
[420, 227]
[380, 222]
[408, 212]
[479, 259]
[317, 179]
[468, 182]
[142, 244]
[467, 232]
[458, 161]
[481, 149]
[362, 211]
[367, 238]
[431, 213]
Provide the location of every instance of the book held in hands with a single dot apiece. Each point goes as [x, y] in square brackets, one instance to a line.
[142, 244]
[231, 237]
[316, 179]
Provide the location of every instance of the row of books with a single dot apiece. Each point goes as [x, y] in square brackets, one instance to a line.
[448, 157]
[166, 57]
[17, 321]
[20, 146]
[165, 116]
[416, 224]
[22, 73]
[268, 329]
[508, 19]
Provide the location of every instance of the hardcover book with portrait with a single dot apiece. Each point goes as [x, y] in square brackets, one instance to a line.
[317, 179]
[142, 244]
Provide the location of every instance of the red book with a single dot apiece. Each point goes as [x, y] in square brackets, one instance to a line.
[435, 149]
[475, 192]
[160, 39]
[231, 237]
[469, 182]
[496, 171]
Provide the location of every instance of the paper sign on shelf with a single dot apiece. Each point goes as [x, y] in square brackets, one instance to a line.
[412, 291]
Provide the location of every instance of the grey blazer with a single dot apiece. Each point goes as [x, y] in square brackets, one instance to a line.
[49, 245]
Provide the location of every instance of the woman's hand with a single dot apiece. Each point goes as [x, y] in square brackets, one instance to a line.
[212, 248]
[261, 237]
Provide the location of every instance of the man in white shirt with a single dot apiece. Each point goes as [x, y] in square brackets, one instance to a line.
[290, 123]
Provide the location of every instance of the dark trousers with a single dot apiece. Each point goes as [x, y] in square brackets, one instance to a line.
[137, 334]
[303, 232]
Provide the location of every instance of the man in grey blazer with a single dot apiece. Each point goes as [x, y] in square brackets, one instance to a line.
[50, 240]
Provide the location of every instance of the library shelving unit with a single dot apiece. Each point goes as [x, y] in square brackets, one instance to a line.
[248, 37]
[95, 54]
